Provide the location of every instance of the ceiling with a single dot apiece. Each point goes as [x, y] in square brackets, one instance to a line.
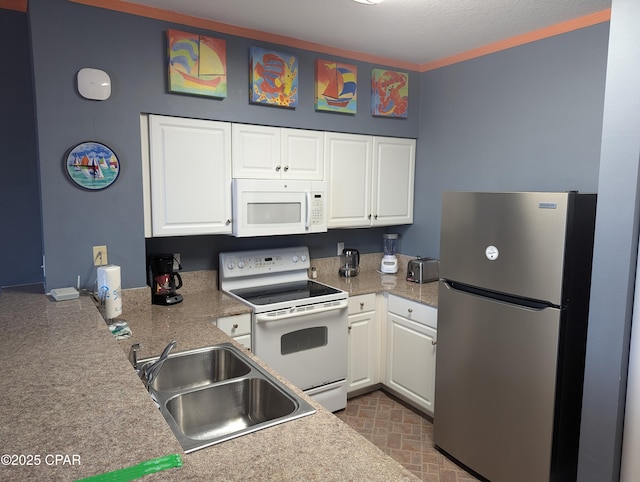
[413, 31]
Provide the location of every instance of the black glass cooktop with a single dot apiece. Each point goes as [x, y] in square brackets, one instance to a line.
[276, 293]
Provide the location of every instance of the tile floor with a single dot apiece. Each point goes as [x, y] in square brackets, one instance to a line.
[403, 434]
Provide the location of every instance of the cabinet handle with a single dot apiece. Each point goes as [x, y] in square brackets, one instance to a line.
[349, 328]
[362, 305]
[286, 168]
[235, 326]
[433, 342]
[369, 216]
[228, 222]
[278, 168]
[410, 310]
[375, 217]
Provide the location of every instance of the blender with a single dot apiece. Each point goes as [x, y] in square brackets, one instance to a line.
[389, 260]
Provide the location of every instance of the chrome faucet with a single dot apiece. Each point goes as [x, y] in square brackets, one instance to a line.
[151, 372]
[133, 354]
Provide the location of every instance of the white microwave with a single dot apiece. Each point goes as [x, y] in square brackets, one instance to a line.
[275, 207]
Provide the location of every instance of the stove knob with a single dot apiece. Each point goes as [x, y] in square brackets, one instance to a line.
[240, 264]
[231, 265]
[303, 258]
[295, 258]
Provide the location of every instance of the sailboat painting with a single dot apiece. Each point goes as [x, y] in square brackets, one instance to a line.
[336, 86]
[197, 64]
[389, 93]
[92, 165]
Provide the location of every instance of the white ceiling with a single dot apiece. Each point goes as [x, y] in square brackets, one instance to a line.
[414, 31]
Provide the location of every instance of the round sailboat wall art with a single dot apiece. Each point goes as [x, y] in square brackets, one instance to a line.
[92, 165]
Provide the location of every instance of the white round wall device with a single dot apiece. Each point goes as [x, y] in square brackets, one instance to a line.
[491, 253]
[94, 84]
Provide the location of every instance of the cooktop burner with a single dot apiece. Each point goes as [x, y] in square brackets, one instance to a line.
[276, 293]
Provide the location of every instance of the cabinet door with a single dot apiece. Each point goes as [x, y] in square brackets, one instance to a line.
[190, 169]
[256, 152]
[302, 154]
[393, 178]
[348, 172]
[411, 350]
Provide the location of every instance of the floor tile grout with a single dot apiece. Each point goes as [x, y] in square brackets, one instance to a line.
[402, 434]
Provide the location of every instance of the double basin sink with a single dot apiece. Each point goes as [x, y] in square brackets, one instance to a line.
[213, 394]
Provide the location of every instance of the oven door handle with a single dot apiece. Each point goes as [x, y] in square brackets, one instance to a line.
[265, 317]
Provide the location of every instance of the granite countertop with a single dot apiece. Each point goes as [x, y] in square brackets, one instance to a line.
[69, 389]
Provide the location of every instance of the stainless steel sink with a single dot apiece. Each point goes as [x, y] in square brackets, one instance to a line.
[197, 368]
[214, 394]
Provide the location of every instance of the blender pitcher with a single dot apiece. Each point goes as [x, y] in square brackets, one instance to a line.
[389, 262]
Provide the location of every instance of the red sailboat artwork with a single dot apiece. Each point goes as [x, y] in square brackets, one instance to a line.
[336, 86]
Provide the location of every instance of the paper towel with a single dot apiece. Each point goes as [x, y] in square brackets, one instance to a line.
[109, 290]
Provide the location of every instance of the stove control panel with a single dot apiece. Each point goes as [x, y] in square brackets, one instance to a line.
[255, 263]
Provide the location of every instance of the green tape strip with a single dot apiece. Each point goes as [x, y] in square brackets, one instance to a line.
[140, 470]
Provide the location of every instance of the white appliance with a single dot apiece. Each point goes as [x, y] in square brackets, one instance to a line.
[299, 326]
[389, 263]
[275, 207]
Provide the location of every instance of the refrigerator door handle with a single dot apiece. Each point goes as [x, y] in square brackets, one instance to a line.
[502, 297]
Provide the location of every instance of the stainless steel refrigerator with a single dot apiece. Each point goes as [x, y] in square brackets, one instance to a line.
[513, 305]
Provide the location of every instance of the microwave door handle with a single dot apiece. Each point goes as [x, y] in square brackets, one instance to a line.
[307, 223]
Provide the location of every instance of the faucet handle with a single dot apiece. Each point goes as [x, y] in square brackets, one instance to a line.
[133, 354]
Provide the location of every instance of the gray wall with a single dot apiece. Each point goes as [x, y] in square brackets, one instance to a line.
[21, 240]
[527, 118]
[615, 253]
[66, 37]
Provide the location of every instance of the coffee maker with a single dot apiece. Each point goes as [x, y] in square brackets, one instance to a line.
[349, 263]
[162, 280]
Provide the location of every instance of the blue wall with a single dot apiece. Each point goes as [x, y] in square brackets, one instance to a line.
[21, 240]
[67, 37]
[523, 119]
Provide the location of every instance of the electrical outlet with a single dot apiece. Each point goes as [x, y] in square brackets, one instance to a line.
[100, 256]
[340, 248]
[176, 261]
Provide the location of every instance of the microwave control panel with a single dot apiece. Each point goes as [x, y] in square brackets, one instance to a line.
[317, 208]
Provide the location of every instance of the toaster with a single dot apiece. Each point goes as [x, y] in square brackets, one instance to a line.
[423, 270]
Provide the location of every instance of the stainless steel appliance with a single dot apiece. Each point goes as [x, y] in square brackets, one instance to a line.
[299, 326]
[264, 207]
[513, 301]
[422, 270]
[349, 263]
[164, 282]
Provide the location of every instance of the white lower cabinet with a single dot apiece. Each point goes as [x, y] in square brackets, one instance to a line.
[237, 327]
[364, 343]
[411, 351]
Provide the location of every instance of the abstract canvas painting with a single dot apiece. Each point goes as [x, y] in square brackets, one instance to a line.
[197, 64]
[273, 78]
[336, 86]
[389, 93]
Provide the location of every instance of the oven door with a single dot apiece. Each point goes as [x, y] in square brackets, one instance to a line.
[309, 349]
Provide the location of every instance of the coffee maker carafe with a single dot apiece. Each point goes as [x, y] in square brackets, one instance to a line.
[163, 280]
[349, 263]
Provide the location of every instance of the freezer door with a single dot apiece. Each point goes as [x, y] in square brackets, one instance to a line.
[507, 242]
[495, 385]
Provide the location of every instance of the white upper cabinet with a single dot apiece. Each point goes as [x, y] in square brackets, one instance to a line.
[190, 176]
[348, 171]
[302, 154]
[263, 152]
[256, 152]
[393, 180]
[370, 180]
